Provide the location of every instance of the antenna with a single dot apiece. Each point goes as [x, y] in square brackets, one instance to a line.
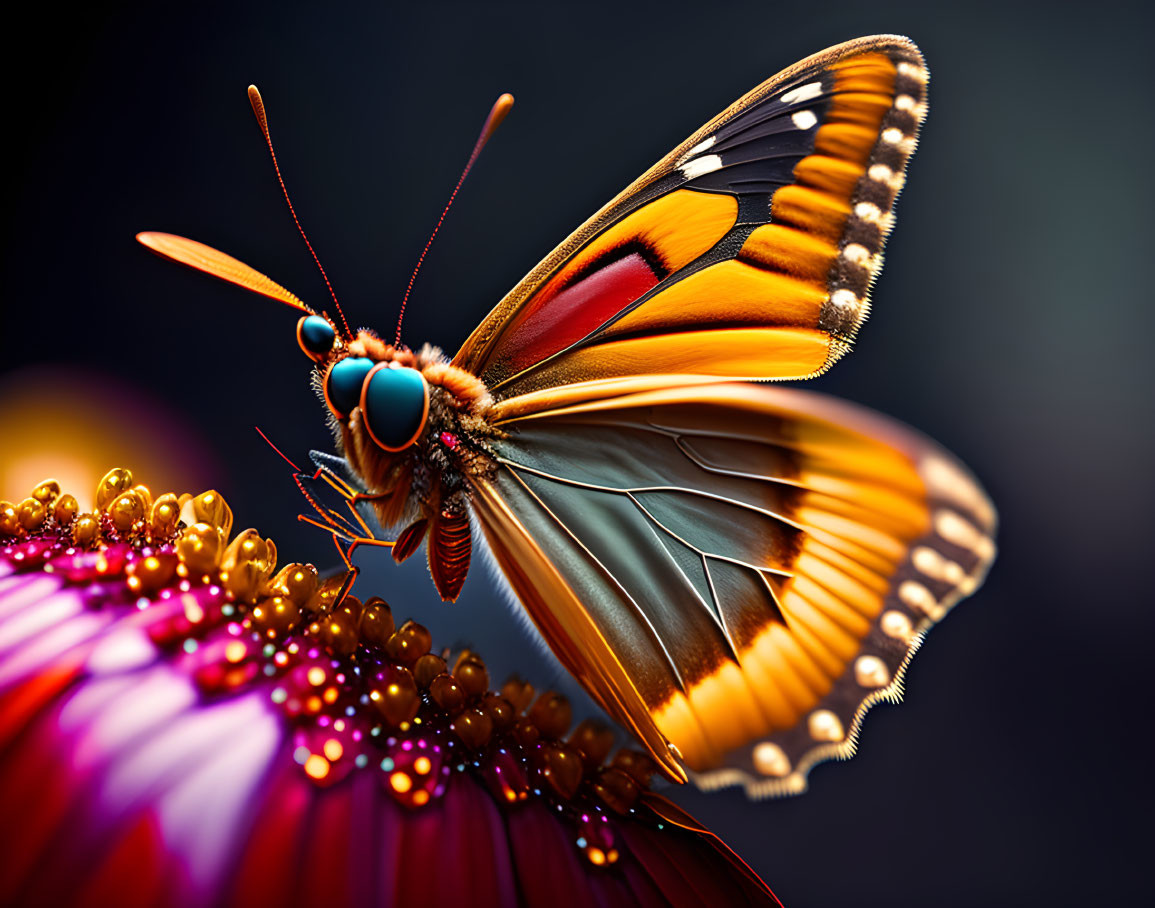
[497, 113]
[263, 122]
[284, 457]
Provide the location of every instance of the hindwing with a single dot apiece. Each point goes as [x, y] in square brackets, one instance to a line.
[739, 571]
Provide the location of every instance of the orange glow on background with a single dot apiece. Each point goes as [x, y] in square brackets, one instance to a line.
[68, 424]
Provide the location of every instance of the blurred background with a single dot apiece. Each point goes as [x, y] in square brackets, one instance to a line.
[1012, 323]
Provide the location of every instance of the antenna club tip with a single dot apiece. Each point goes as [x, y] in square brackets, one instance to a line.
[258, 106]
[497, 113]
[153, 240]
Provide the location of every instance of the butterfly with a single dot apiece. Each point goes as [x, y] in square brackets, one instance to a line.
[735, 570]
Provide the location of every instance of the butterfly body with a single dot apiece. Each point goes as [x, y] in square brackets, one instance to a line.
[424, 486]
[733, 569]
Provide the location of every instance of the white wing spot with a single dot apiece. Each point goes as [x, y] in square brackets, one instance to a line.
[919, 598]
[961, 532]
[870, 671]
[845, 299]
[905, 102]
[804, 119]
[880, 173]
[771, 760]
[869, 212]
[892, 136]
[911, 71]
[857, 254]
[897, 625]
[700, 166]
[931, 563]
[824, 725]
[802, 93]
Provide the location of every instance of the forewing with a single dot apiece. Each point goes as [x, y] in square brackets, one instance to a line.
[737, 570]
[747, 252]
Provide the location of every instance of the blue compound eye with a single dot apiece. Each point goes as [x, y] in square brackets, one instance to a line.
[343, 384]
[394, 405]
[315, 335]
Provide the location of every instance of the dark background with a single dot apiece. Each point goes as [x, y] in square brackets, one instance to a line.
[1013, 323]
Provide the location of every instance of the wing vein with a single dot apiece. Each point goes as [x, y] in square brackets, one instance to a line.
[609, 574]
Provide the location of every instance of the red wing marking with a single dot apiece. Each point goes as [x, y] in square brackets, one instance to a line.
[555, 321]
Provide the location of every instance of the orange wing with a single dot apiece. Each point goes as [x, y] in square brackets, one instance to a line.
[746, 253]
[739, 571]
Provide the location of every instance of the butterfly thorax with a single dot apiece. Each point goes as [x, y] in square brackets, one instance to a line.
[424, 487]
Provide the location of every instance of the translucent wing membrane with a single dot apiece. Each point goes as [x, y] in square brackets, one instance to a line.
[737, 570]
[746, 253]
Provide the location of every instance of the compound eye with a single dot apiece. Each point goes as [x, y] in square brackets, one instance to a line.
[315, 335]
[394, 404]
[343, 384]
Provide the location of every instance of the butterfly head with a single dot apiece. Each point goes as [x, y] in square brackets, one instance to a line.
[385, 383]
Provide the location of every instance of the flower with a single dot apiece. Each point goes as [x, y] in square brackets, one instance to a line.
[182, 723]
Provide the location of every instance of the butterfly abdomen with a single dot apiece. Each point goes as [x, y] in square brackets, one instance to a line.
[450, 546]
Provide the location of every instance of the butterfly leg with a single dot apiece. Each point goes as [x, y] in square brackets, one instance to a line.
[345, 553]
[339, 528]
[352, 502]
[347, 536]
[350, 495]
[340, 535]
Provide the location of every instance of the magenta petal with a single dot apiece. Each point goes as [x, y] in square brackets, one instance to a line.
[548, 865]
[167, 745]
